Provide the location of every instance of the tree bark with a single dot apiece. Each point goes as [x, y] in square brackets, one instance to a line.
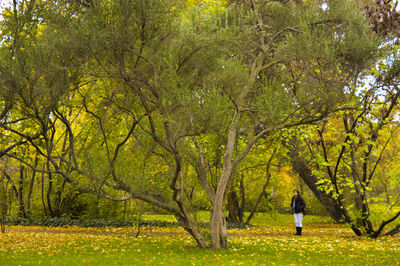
[243, 199]
[234, 214]
[21, 205]
[28, 197]
[57, 200]
[303, 170]
[48, 194]
[193, 230]
[18, 192]
[3, 204]
[49, 189]
[218, 232]
[42, 194]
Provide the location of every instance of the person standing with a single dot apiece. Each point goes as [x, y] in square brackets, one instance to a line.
[298, 207]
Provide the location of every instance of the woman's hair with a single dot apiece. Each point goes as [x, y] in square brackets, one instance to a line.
[298, 192]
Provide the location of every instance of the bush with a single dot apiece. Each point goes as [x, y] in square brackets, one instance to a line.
[62, 222]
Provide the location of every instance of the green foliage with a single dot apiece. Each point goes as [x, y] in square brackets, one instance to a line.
[118, 99]
[99, 223]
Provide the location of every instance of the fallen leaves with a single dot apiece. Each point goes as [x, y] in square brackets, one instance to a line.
[321, 243]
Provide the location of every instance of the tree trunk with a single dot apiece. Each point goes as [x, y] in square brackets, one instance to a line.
[28, 197]
[263, 191]
[68, 201]
[243, 199]
[21, 205]
[18, 191]
[49, 189]
[218, 232]
[43, 202]
[193, 230]
[234, 215]
[305, 173]
[3, 214]
[57, 200]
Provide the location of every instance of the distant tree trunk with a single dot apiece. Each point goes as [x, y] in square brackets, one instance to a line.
[234, 215]
[28, 197]
[57, 200]
[236, 206]
[49, 189]
[18, 191]
[21, 205]
[10, 201]
[243, 199]
[67, 202]
[125, 209]
[43, 201]
[263, 191]
[4, 189]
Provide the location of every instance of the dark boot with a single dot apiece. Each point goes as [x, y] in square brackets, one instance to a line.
[297, 231]
[300, 228]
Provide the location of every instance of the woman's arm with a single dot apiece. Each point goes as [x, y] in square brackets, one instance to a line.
[303, 204]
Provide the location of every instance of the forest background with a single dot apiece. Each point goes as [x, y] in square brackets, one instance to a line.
[113, 109]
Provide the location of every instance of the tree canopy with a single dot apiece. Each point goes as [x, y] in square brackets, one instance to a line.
[171, 102]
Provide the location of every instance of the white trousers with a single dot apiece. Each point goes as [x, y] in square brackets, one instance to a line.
[298, 217]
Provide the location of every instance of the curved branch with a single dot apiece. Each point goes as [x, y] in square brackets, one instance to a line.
[384, 223]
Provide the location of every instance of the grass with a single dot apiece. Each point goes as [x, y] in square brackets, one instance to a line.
[270, 242]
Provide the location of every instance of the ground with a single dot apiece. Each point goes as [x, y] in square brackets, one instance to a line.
[270, 242]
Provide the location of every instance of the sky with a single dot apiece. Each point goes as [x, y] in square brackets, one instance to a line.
[4, 4]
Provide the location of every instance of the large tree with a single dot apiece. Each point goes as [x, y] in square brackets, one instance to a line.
[348, 154]
[132, 91]
[384, 20]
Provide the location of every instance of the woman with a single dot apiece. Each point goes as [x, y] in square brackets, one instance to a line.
[298, 206]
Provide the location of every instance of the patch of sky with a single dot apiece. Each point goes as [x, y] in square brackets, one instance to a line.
[3, 5]
[324, 6]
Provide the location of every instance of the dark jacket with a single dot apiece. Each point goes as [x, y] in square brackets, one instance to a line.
[299, 206]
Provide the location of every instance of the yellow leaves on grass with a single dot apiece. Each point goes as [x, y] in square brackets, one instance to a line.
[272, 243]
[52, 241]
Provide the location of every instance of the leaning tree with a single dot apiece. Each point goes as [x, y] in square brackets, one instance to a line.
[352, 155]
[369, 88]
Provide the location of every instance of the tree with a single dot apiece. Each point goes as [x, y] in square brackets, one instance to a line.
[128, 86]
[350, 150]
[29, 69]
[383, 18]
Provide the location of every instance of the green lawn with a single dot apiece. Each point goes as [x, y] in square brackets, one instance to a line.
[271, 242]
